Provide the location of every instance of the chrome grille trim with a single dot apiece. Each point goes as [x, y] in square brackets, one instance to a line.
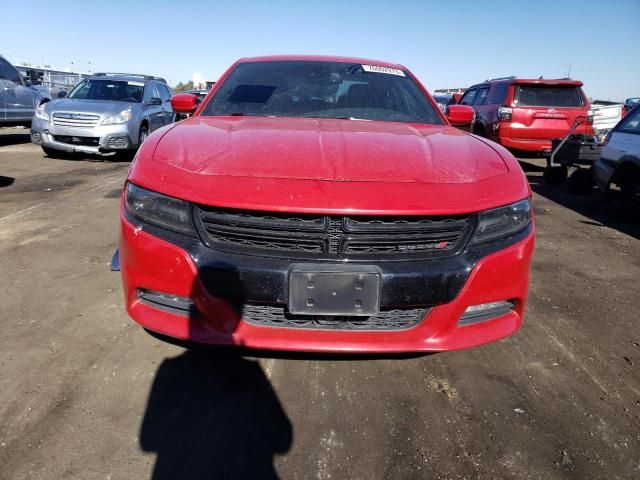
[68, 119]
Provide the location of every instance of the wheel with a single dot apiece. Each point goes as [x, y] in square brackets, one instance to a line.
[555, 175]
[142, 136]
[581, 181]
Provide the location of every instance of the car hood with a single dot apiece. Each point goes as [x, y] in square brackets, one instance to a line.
[328, 150]
[98, 107]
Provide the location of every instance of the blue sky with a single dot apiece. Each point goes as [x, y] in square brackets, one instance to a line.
[446, 44]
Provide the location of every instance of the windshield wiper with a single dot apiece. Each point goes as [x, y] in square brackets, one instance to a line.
[237, 114]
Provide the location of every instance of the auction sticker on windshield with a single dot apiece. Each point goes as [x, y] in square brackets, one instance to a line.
[136, 84]
[387, 70]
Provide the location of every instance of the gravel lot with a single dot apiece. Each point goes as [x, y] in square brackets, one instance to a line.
[87, 394]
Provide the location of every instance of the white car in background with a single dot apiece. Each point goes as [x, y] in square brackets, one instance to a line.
[619, 163]
[606, 115]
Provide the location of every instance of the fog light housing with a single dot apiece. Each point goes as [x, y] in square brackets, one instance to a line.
[175, 304]
[485, 311]
[118, 142]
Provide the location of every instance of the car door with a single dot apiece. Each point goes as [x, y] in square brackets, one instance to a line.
[480, 108]
[153, 111]
[17, 102]
[165, 96]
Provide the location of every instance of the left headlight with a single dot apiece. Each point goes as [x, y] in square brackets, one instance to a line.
[122, 117]
[40, 113]
[157, 209]
[502, 222]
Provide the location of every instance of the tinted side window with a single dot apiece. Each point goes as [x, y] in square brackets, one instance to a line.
[469, 97]
[151, 91]
[482, 94]
[165, 94]
[7, 72]
[631, 123]
[499, 94]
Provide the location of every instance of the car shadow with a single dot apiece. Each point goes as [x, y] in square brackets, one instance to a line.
[6, 181]
[86, 157]
[589, 205]
[211, 413]
[14, 138]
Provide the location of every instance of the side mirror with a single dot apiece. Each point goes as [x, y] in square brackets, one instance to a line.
[184, 103]
[62, 94]
[460, 115]
[154, 101]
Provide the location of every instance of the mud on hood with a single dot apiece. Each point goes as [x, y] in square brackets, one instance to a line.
[327, 149]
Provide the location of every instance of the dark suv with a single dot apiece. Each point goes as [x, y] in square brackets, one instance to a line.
[525, 115]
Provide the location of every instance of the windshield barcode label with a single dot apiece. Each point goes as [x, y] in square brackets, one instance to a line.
[387, 70]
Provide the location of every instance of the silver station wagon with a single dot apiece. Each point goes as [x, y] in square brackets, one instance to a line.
[103, 114]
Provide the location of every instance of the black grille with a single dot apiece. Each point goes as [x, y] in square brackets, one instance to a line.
[273, 316]
[300, 234]
[85, 141]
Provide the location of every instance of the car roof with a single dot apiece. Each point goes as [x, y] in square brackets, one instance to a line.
[320, 58]
[126, 77]
[532, 81]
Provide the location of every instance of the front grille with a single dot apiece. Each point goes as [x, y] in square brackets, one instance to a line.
[300, 234]
[85, 141]
[274, 316]
[62, 119]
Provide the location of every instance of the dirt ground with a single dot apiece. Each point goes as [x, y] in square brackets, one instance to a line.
[87, 394]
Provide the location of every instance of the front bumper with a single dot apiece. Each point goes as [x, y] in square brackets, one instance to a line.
[214, 281]
[109, 138]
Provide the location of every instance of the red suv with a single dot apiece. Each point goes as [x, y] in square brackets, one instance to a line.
[525, 115]
[325, 204]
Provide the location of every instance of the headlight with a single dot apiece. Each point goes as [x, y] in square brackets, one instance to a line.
[122, 117]
[40, 113]
[502, 222]
[167, 212]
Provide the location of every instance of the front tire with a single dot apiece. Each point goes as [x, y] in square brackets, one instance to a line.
[142, 135]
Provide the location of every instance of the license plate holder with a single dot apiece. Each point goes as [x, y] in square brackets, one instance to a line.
[334, 290]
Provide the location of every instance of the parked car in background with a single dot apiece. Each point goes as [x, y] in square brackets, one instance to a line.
[103, 114]
[526, 115]
[325, 204]
[630, 104]
[444, 100]
[619, 163]
[606, 115]
[19, 98]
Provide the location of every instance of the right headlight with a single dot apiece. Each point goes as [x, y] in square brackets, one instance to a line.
[502, 222]
[157, 209]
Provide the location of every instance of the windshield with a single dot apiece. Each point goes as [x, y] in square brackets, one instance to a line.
[317, 89]
[113, 90]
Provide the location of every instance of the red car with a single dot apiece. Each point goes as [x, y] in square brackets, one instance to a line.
[325, 204]
[525, 115]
